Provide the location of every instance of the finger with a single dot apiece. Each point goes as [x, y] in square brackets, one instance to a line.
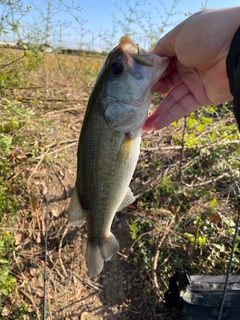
[185, 106]
[166, 45]
[166, 84]
[163, 86]
[178, 103]
[171, 100]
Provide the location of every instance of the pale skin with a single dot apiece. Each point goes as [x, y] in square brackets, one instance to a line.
[196, 76]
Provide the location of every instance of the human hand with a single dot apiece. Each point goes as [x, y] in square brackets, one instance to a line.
[196, 75]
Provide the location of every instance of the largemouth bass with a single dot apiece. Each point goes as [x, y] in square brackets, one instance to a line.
[109, 145]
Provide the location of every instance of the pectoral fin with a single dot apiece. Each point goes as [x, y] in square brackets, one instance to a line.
[76, 214]
[129, 198]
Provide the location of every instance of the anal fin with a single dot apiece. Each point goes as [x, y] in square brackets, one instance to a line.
[129, 198]
[109, 247]
[76, 214]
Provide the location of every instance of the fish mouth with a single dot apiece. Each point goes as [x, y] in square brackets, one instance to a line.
[142, 57]
[137, 53]
[127, 43]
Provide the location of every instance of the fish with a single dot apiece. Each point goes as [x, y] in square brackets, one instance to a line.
[109, 145]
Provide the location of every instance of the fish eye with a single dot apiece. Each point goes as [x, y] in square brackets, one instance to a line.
[116, 68]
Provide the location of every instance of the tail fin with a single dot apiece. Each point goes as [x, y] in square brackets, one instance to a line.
[97, 254]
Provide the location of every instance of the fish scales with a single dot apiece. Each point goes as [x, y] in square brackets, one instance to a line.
[109, 145]
[100, 150]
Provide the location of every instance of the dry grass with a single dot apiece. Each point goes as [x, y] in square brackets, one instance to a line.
[42, 107]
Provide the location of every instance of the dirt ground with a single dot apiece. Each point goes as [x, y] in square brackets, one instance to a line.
[48, 257]
[119, 292]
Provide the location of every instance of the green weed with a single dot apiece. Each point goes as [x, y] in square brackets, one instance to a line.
[191, 224]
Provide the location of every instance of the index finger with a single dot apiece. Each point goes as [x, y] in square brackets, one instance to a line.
[169, 79]
[178, 103]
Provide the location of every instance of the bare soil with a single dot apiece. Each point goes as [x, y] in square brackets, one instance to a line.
[119, 291]
[48, 257]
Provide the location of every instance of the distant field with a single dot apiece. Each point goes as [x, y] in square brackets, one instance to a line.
[36, 64]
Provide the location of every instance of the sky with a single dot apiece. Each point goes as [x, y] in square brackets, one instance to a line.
[102, 23]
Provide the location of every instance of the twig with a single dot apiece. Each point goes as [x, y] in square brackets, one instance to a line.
[18, 266]
[155, 281]
[59, 273]
[155, 260]
[200, 146]
[74, 122]
[49, 310]
[204, 183]
[166, 259]
[60, 249]
[66, 306]
[45, 279]
[35, 169]
[63, 110]
[196, 236]
[58, 150]
[153, 182]
[182, 150]
[91, 284]
[21, 229]
[60, 143]
[138, 238]
[15, 175]
[31, 300]
[230, 260]
[122, 255]
[61, 180]
[48, 99]
[11, 62]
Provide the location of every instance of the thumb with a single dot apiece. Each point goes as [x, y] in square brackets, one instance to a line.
[166, 45]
